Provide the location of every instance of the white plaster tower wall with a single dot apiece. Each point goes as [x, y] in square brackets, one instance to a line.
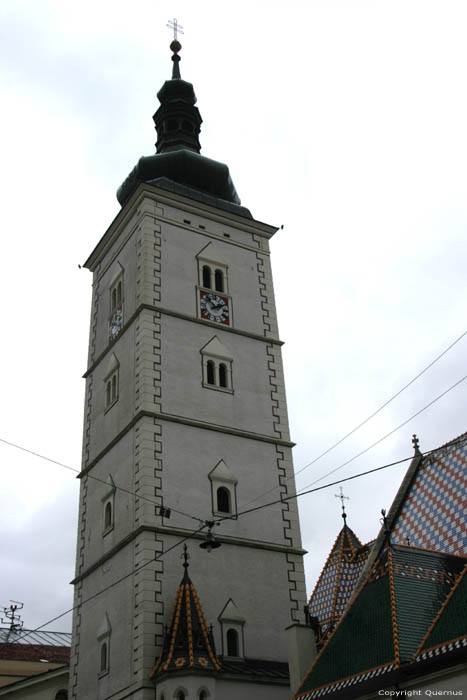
[164, 434]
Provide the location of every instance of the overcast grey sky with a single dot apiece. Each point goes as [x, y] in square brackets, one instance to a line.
[344, 121]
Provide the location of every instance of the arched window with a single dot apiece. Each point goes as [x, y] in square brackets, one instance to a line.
[219, 281]
[104, 657]
[119, 293]
[203, 695]
[114, 387]
[181, 695]
[108, 393]
[114, 299]
[223, 375]
[61, 694]
[107, 515]
[232, 642]
[207, 282]
[171, 125]
[223, 500]
[211, 377]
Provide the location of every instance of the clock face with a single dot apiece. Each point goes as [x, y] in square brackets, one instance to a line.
[214, 307]
[115, 323]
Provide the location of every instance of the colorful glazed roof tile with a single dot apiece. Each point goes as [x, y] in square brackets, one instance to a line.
[433, 513]
[337, 580]
[386, 622]
[188, 643]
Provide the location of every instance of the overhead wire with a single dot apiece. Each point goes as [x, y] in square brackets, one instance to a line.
[391, 432]
[453, 445]
[96, 478]
[111, 585]
[364, 422]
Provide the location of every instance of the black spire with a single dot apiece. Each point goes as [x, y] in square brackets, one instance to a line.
[177, 120]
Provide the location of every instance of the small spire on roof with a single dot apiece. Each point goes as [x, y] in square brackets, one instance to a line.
[175, 47]
[185, 556]
[342, 497]
[416, 444]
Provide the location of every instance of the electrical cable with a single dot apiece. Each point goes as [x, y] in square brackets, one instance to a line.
[453, 445]
[360, 425]
[391, 432]
[122, 578]
[96, 478]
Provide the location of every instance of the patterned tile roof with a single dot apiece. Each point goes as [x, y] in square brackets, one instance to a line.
[385, 624]
[337, 580]
[188, 643]
[432, 515]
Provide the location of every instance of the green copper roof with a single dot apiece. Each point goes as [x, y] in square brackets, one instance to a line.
[451, 622]
[387, 620]
[348, 651]
[177, 165]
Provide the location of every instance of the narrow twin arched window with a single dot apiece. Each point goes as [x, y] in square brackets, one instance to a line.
[219, 278]
[116, 296]
[232, 642]
[111, 389]
[223, 500]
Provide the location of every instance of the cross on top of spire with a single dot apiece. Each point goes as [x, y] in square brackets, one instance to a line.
[173, 24]
[342, 497]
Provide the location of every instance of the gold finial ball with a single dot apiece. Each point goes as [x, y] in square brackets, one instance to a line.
[175, 46]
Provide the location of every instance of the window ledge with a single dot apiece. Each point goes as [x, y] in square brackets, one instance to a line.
[225, 390]
[107, 408]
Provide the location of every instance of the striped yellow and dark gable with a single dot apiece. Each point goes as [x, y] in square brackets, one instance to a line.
[188, 643]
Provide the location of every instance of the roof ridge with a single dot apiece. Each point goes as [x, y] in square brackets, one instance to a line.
[392, 596]
[324, 567]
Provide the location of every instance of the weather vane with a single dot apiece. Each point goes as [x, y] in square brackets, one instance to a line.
[173, 24]
[342, 497]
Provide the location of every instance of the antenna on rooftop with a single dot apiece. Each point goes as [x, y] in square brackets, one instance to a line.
[9, 616]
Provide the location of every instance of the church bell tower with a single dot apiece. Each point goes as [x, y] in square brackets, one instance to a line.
[185, 424]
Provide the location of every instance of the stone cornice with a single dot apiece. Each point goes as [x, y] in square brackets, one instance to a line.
[185, 317]
[183, 421]
[160, 196]
[182, 532]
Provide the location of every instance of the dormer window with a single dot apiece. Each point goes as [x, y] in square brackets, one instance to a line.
[217, 366]
[232, 624]
[213, 267]
[223, 490]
